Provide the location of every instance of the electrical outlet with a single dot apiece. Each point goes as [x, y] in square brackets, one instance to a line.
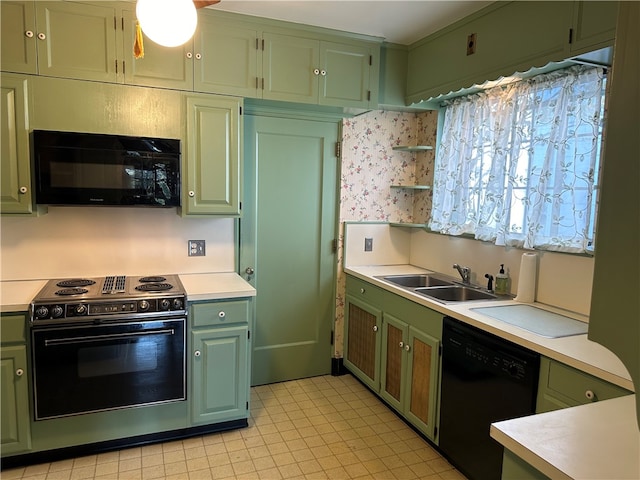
[196, 248]
[368, 244]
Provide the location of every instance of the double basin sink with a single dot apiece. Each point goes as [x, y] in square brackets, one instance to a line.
[441, 288]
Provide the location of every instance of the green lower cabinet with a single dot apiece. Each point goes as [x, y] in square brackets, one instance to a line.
[219, 361]
[562, 386]
[514, 468]
[409, 373]
[392, 344]
[14, 387]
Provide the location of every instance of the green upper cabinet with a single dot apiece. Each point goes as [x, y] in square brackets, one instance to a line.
[594, 25]
[160, 66]
[291, 68]
[15, 169]
[499, 40]
[226, 57]
[19, 37]
[77, 40]
[305, 70]
[345, 75]
[212, 156]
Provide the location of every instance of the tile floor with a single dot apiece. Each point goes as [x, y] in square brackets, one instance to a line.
[316, 428]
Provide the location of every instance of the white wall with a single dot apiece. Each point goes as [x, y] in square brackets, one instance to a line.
[97, 241]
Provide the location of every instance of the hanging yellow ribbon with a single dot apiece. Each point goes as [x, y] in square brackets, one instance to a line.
[138, 46]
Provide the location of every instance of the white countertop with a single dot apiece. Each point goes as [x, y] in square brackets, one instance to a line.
[17, 295]
[560, 443]
[577, 351]
[212, 286]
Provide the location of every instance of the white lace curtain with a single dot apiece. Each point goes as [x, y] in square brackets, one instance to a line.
[518, 165]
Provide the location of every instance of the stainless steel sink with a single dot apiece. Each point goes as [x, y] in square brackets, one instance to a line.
[418, 280]
[456, 293]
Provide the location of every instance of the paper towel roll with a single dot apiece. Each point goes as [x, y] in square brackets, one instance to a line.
[527, 278]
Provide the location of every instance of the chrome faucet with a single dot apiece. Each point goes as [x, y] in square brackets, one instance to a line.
[465, 272]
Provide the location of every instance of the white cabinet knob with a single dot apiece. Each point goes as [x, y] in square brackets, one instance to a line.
[589, 394]
[316, 71]
[189, 55]
[197, 353]
[323, 72]
[362, 290]
[29, 34]
[407, 347]
[401, 344]
[222, 314]
[24, 189]
[192, 193]
[19, 372]
[198, 56]
[375, 328]
[42, 36]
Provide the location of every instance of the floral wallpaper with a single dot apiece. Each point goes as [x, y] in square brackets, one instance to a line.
[370, 166]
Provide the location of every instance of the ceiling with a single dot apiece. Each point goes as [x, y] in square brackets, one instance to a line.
[397, 21]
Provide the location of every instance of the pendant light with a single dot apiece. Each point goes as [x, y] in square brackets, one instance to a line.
[167, 22]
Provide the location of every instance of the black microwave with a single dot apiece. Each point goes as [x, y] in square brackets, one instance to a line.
[96, 169]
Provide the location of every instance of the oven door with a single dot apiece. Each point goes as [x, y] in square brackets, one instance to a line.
[90, 368]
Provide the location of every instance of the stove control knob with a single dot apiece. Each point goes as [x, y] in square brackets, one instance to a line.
[165, 304]
[42, 312]
[57, 311]
[177, 304]
[81, 309]
[143, 305]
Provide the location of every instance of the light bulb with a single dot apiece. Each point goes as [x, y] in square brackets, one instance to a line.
[167, 22]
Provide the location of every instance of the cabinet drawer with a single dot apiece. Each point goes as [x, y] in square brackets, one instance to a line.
[579, 387]
[13, 328]
[219, 313]
[365, 291]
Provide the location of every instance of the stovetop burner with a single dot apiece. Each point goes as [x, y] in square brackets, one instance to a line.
[114, 297]
[76, 282]
[154, 287]
[71, 291]
[156, 279]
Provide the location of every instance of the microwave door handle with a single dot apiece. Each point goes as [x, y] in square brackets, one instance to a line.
[103, 338]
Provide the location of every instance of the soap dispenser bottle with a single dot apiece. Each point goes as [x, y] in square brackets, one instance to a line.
[502, 280]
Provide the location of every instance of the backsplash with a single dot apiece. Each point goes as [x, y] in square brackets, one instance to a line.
[96, 241]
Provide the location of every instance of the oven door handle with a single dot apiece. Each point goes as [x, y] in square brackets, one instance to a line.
[103, 338]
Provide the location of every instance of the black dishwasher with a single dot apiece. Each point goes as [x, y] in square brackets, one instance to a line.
[485, 379]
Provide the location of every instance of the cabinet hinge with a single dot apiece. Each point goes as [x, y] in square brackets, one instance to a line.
[247, 405]
[257, 40]
[262, 83]
[370, 60]
[440, 350]
[570, 35]
[248, 334]
[115, 23]
[240, 109]
[368, 95]
[338, 149]
[331, 340]
[116, 62]
[122, 23]
[334, 249]
[435, 432]
[263, 44]
[123, 67]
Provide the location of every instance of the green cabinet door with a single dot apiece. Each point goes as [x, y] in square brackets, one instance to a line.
[220, 375]
[422, 382]
[14, 400]
[212, 156]
[594, 25]
[161, 66]
[77, 40]
[15, 169]
[394, 361]
[18, 50]
[291, 68]
[362, 341]
[344, 75]
[226, 58]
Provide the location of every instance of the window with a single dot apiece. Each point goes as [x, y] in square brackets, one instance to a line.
[518, 165]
